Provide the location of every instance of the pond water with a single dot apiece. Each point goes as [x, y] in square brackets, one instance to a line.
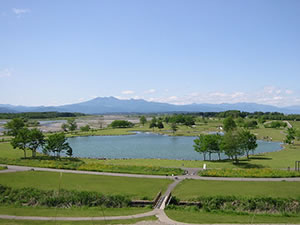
[147, 145]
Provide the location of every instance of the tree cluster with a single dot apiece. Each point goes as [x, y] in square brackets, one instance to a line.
[275, 124]
[121, 124]
[33, 139]
[187, 120]
[39, 115]
[234, 143]
[156, 123]
[71, 125]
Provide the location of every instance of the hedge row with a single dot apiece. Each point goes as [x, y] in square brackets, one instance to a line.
[245, 204]
[60, 199]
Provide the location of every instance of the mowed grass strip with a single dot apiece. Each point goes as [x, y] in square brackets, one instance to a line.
[201, 217]
[191, 189]
[93, 222]
[135, 188]
[71, 212]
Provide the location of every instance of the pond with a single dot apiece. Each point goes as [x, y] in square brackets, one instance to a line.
[147, 145]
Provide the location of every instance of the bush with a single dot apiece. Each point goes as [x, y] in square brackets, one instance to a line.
[121, 124]
[248, 173]
[247, 204]
[61, 198]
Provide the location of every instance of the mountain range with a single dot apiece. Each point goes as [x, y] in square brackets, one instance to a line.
[106, 105]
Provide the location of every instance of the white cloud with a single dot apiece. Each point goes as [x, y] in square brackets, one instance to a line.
[268, 95]
[127, 92]
[6, 73]
[19, 11]
[150, 91]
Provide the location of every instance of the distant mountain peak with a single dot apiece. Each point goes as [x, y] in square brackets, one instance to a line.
[102, 105]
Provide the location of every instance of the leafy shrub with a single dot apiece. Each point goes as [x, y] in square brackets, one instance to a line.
[130, 169]
[248, 173]
[61, 198]
[246, 204]
[121, 124]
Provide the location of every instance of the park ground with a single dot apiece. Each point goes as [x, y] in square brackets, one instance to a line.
[146, 188]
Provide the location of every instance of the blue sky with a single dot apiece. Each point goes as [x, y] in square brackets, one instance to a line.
[57, 52]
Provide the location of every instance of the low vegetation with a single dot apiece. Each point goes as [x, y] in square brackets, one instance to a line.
[267, 205]
[61, 198]
[265, 172]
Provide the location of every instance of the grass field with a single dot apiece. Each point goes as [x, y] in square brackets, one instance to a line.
[71, 212]
[191, 189]
[94, 222]
[201, 217]
[135, 188]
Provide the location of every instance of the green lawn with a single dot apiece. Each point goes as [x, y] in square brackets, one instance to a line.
[201, 217]
[94, 222]
[7, 151]
[191, 189]
[135, 188]
[71, 212]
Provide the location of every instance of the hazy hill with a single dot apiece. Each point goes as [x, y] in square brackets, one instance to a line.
[113, 105]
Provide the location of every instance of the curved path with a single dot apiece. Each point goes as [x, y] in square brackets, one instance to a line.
[190, 175]
[159, 213]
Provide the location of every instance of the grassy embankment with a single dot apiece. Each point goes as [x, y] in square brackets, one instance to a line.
[135, 188]
[71, 212]
[191, 190]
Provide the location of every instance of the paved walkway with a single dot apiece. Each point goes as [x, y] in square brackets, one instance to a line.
[12, 168]
[159, 213]
[44, 218]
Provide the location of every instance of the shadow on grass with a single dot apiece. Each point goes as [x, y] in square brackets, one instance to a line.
[40, 158]
[246, 165]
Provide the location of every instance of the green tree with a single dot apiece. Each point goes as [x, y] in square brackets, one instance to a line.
[64, 127]
[14, 126]
[160, 124]
[229, 124]
[291, 135]
[36, 139]
[143, 120]
[174, 127]
[247, 141]
[208, 144]
[200, 145]
[85, 128]
[21, 140]
[230, 145]
[57, 143]
[189, 121]
[121, 124]
[153, 123]
[72, 125]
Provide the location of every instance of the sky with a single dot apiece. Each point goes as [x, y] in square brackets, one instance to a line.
[177, 51]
